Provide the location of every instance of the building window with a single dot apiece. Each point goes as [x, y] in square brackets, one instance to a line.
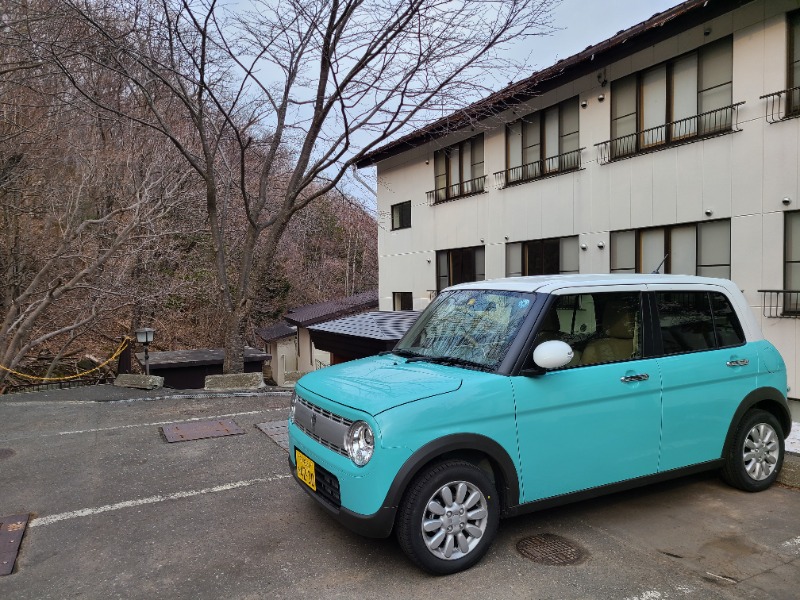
[460, 266]
[691, 249]
[793, 74]
[688, 97]
[542, 257]
[403, 301]
[542, 143]
[458, 171]
[401, 215]
[791, 272]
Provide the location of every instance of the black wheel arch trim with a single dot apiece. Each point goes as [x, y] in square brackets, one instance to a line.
[761, 396]
[471, 442]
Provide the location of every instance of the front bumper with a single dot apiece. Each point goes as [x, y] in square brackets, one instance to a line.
[376, 525]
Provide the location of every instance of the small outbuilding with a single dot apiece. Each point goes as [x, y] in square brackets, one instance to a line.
[187, 369]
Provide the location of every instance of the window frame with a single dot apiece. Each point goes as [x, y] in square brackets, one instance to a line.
[450, 254]
[404, 215]
[467, 187]
[401, 299]
[644, 140]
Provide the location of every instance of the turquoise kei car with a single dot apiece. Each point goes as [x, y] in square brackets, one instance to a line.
[514, 395]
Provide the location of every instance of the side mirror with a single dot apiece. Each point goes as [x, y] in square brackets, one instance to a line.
[552, 355]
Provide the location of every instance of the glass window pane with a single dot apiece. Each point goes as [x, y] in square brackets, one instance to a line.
[685, 321]
[442, 269]
[792, 251]
[551, 132]
[619, 329]
[726, 323]
[514, 141]
[623, 97]
[652, 249]
[792, 277]
[716, 64]
[477, 156]
[654, 99]
[454, 169]
[479, 264]
[715, 98]
[683, 250]
[569, 116]
[684, 89]
[466, 161]
[514, 259]
[551, 261]
[569, 255]
[713, 244]
[721, 271]
[623, 251]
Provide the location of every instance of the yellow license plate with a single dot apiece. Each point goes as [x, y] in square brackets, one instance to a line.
[305, 470]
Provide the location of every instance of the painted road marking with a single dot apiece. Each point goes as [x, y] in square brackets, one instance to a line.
[88, 512]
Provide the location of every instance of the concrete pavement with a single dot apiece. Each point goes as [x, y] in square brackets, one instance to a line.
[120, 513]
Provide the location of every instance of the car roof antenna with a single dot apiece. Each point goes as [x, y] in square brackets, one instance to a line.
[657, 270]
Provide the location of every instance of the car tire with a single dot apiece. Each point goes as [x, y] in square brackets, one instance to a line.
[755, 456]
[448, 517]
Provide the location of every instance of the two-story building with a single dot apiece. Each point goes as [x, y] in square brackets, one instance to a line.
[672, 145]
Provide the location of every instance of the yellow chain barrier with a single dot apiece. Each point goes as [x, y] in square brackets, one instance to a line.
[114, 356]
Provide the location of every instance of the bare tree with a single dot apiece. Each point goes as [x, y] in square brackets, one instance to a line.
[283, 99]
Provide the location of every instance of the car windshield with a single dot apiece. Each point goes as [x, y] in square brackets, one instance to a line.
[472, 328]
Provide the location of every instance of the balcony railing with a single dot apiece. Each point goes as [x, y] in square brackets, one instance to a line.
[458, 190]
[782, 105]
[708, 124]
[781, 304]
[555, 165]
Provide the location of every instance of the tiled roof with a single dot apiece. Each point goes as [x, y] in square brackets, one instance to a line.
[275, 332]
[377, 325]
[311, 314]
[594, 58]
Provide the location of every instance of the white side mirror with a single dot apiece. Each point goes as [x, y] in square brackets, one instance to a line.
[552, 355]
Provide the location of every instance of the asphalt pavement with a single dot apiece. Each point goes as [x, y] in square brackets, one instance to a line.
[117, 512]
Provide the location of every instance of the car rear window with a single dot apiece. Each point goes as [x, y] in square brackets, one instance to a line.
[696, 321]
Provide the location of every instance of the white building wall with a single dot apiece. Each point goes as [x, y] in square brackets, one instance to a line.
[743, 177]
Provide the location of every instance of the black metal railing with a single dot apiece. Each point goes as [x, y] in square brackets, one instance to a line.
[555, 165]
[708, 124]
[782, 105]
[781, 304]
[458, 190]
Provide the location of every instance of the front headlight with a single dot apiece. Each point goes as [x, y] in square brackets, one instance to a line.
[360, 443]
[291, 407]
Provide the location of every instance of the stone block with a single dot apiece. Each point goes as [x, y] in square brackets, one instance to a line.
[235, 381]
[141, 382]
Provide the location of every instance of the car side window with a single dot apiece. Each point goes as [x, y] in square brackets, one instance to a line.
[599, 327]
[685, 321]
[726, 323]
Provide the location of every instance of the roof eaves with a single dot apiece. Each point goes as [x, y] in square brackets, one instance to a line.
[528, 88]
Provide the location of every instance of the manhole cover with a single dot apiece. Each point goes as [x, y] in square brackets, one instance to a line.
[278, 431]
[184, 432]
[6, 453]
[551, 549]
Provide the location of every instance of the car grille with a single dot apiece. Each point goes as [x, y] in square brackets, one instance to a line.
[321, 425]
[328, 486]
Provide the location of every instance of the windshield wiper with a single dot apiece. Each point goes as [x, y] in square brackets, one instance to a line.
[451, 361]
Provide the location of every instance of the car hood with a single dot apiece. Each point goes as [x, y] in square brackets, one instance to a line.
[379, 383]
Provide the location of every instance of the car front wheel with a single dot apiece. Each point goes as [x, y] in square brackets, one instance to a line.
[756, 454]
[448, 517]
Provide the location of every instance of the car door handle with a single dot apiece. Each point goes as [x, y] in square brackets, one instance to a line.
[743, 362]
[630, 378]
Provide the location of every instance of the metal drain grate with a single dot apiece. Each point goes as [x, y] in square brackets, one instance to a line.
[278, 431]
[551, 549]
[184, 432]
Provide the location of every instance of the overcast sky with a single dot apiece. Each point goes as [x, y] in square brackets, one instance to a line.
[583, 23]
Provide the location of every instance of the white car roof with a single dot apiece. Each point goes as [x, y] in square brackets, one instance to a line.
[550, 283]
